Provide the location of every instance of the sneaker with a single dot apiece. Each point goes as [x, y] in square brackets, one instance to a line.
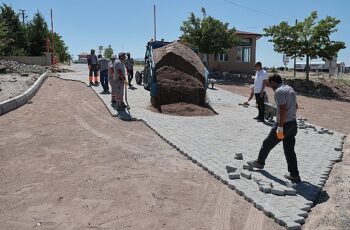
[113, 101]
[255, 164]
[294, 179]
[91, 83]
[256, 118]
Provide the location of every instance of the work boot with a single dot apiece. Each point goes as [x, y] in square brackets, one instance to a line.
[120, 108]
[255, 164]
[294, 179]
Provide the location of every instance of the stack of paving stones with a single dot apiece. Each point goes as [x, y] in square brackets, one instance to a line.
[212, 143]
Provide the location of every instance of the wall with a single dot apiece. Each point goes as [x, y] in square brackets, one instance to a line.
[41, 60]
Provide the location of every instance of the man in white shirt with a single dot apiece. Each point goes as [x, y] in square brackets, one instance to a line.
[259, 90]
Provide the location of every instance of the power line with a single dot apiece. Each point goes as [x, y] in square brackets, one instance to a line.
[251, 9]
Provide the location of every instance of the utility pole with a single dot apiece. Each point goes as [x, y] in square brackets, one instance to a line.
[155, 24]
[23, 15]
[295, 56]
[53, 40]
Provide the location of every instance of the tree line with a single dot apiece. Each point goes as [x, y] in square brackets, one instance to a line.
[32, 38]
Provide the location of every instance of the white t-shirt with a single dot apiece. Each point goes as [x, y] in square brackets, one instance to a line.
[259, 80]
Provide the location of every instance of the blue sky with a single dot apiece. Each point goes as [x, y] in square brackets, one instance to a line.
[127, 25]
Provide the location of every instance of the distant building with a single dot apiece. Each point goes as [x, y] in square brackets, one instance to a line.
[83, 58]
[239, 59]
[333, 66]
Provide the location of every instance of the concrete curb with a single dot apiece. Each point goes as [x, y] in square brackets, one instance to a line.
[18, 101]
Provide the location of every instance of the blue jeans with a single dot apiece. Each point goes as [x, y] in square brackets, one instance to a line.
[104, 79]
[290, 130]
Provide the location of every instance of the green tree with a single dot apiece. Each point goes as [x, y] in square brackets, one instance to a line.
[4, 42]
[61, 49]
[14, 31]
[308, 38]
[37, 34]
[108, 52]
[207, 34]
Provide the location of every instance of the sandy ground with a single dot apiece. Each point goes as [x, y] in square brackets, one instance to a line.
[333, 208]
[65, 163]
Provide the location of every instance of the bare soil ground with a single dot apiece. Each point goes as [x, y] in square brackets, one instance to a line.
[65, 163]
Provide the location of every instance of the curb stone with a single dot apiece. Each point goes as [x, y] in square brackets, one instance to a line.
[18, 101]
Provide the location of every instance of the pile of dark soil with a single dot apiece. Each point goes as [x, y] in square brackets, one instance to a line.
[184, 109]
[176, 86]
[324, 89]
[181, 58]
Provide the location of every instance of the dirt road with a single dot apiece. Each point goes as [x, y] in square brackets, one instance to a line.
[65, 163]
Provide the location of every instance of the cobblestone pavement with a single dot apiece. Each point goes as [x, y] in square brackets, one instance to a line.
[212, 142]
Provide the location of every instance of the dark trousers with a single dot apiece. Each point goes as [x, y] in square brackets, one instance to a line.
[130, 75]
[104, 79]
[93, 70]
[290, 131]
[261, 105]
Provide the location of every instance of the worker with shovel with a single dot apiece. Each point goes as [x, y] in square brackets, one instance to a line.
[120, 81]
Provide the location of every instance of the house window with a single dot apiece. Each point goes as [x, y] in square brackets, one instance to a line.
[246, 54]
[221, 57]
[243, 54]
[239, 54]
[245, 42]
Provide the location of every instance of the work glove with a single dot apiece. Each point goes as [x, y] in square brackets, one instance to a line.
[279, 133]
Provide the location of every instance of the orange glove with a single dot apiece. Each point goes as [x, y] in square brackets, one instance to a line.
[279, 133]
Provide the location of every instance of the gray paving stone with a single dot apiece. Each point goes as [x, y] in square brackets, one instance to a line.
[234, 175]
[247, 167]
[291, 225]
[290, 191]
[230, 169]
[277, 191]
[246, 175]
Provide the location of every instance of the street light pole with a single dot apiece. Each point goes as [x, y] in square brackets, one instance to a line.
[23, 15]
[295, 56]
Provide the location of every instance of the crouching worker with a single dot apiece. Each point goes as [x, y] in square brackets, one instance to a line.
[120, 80]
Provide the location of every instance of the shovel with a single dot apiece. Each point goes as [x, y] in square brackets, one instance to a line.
[126, 97]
